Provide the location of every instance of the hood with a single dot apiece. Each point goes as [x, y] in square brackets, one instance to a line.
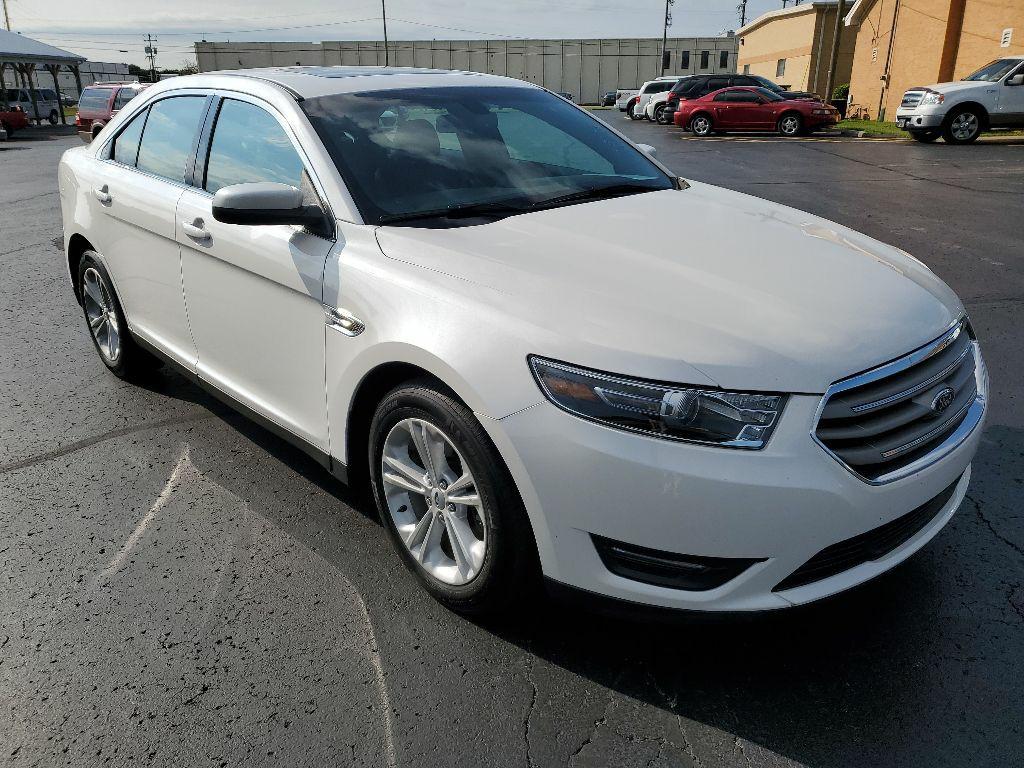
[954, 87]
[663, 285]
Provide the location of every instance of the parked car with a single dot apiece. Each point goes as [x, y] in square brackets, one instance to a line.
[987, 100]
[657, 108]
[608, 99]
[13, 120]
[624, 96]
[775, 411]
[647, 90]
[47, 104]
[753, 109]
[100, 102]
[700, 85]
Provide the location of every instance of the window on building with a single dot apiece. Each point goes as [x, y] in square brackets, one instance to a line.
[746, 69]
[723, 59]
[780, 68]
[705, 57]
[684, 60]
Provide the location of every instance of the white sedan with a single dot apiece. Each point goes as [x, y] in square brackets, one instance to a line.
[429, 281]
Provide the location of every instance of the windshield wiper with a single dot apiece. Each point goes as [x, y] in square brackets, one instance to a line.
[498, 209]
[596, 193]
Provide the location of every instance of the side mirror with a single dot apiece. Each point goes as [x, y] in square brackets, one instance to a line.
[647, 149]
[266, 203]
[1017, 79]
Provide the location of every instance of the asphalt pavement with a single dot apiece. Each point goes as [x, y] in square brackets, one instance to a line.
[178, 587]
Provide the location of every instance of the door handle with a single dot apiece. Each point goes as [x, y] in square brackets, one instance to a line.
[195, 230]
[102, 194]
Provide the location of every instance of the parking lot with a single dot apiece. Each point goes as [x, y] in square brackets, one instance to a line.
[180, 587]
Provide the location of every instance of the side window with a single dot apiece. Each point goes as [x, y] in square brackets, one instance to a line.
[725, 96]
[170, 136]
[249, 145]
[93, 100]
[746, 97]
[126, 145]
[124, 95]
[714, 83]
[530, 139]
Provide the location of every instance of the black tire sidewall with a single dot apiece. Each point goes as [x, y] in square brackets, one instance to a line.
[509, 537]
[126, 361]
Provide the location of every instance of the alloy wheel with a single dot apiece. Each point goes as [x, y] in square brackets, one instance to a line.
[790, 125]
[701, 126]
[101, 316]
[434, 502]
[964, 126]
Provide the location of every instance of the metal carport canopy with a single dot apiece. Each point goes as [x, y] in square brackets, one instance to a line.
[23, 54]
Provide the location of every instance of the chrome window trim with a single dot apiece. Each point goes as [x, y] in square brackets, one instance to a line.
[975, 410]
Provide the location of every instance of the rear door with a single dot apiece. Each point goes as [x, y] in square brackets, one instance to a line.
[137, 186]
[255, 293]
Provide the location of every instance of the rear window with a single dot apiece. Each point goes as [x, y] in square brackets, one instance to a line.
[94, 100]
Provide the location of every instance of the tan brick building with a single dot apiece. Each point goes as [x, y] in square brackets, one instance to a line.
[792, 46]
[907, 43]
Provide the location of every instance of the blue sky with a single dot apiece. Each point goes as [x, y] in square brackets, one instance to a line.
[112, 30]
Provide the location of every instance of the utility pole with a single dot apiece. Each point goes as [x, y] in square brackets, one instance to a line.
[838, 33]
[384, 18]
[7, 17]
[742, 8]
[664, 34]
[151, 55]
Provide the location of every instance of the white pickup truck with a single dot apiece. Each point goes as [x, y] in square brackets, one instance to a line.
[990, 99]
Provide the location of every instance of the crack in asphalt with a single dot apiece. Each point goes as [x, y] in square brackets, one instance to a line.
[981, 516]
[529, 713]
[687, 746]
[602, 720]
[100, 438]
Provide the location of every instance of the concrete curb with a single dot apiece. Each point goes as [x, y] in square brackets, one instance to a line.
[865, 135]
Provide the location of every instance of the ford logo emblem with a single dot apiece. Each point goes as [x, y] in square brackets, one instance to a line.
[943, 399]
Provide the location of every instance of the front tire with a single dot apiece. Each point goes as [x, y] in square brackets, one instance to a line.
[107, 326]
[925, 137]
[790, 125]
[53, 117]
[448, 503]
[962, 127]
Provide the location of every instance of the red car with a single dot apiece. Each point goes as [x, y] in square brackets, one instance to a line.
[13, 120]
[753, 109]
[100, 102]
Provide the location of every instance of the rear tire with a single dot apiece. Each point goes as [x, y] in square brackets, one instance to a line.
[476, 556]
[962, 127]
[701, 125]
[53, 117]
[659, 115]
[631, 112]
[106, 323]
[925, 137]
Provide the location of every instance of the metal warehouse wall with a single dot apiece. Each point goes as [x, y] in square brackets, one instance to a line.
[584, 68]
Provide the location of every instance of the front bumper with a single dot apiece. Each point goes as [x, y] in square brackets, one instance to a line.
[913, 120]
[779, 506]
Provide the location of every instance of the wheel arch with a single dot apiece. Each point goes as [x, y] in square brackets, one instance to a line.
[77, 245]
[976, 106]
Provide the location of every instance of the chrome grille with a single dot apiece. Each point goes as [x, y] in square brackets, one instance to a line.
[884, 423]
[912, 98]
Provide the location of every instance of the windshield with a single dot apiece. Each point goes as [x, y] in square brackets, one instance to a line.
[994, 71]
[406, 152]
[768, 84]
[769, 94]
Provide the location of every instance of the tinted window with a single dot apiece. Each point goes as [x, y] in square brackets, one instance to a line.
[250, 145]
[125, 95]
[713, 84]
[48, 94]
[94, 100]
[169, 136]
[724, 96]
[994, 71]
[684, 60]
[126, 145]
[746, 97]
[665, 85]
[428, 150]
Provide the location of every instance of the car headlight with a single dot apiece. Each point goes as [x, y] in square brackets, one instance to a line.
[932, 98]
[820, 112]
[696, 415]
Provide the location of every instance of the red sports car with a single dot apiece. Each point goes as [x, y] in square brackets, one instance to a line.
[13, 120]
[753, 109]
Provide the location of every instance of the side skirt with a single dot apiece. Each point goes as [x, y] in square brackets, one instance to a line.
[328, 462]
